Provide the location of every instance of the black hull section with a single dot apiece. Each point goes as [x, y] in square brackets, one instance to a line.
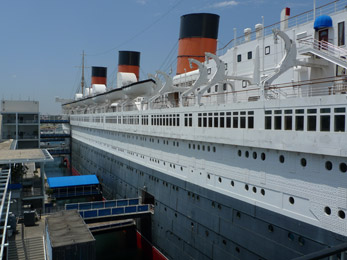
[191, 222]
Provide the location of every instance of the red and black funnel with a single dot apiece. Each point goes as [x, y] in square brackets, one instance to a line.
[129, 61]
[99, 75]
[198, 34]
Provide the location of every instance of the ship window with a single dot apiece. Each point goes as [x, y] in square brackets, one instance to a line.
[216, 88]
[278, 122]
[205, 120]
[221, 120]
[224, 87]
[244, 83]
[210, 120]
[311, 123]
[311, 111]
[249, 55]
[268, 112]
[209, 71]
[341, 33]
[288, 123]
[325, 110]
[339, 124]
[226, 66]
[239, 58]
[209, 90]
[215, 120]
[303, 162]
[267, 50]
[339, 110]
[325, 123]
[341, 214]
[199, 120]
[328, 165]
[343, 167]
[299, 123]
[235, 122]
[250, 122]
[268, 122]
[228, 119]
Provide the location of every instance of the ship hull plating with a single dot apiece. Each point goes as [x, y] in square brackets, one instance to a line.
[192, 222]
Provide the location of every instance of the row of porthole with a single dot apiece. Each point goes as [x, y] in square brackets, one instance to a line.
[303, 161]
[192, 146]
[340, 213]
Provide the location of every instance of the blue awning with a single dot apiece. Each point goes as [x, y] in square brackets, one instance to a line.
[323, 21]
[69, 181]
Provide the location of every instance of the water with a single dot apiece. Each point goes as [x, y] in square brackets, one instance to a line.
[54, 169]
[120, 245]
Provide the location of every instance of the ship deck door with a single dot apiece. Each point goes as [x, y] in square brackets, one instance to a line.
[323, 36]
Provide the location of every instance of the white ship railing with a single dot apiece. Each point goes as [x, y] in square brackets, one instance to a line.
[293, 21]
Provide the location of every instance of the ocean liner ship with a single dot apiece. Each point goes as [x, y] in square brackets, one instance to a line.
[242, 153]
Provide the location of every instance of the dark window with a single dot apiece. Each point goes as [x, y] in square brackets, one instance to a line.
[299, 123]
[242, 122]
[244, 83]
[239, 58]
[278, 122]
[311, 123]
[325, 123]
[216, 88]
[221, 120]
[209, 71]
[228, 119]
[249, 55]
[226, 66]
[341, 34]
[209, 90]
[205, 120]
[251, 122]
[288, 123]
[235, 122]
[210, 120]
[224, 87]
[339, 124]
[267, 50]
[199, 121]
[215, 120]
[268, 122]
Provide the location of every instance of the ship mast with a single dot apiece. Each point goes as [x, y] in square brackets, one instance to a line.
[82, 80]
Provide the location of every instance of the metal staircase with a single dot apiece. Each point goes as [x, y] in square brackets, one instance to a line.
[325, 50]
[26, 249]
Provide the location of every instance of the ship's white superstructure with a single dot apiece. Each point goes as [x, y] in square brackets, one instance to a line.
[264, 123]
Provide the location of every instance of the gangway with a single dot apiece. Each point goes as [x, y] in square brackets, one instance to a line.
[113, 209]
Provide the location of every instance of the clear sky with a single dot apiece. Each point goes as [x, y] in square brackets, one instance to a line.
[42, 40]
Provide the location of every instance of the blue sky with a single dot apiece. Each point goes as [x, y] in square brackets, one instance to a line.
[42, 41]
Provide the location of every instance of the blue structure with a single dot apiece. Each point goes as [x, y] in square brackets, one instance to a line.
[323, 21]
[73, 186]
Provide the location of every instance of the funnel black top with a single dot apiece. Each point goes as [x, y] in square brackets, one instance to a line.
[99, 72]
[129, 58]
[199, 25]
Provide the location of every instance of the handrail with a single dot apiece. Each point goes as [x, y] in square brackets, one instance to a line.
[332, 251]
[325, 47]
[306, 16]
[5, 227]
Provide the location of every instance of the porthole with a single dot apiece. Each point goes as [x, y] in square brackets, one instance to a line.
[341, 214]
[262, 191]
[328, 165]
[254, 189]
[208, 176]
[181, 168]
[291, 200]
[214, 149]
[254, 155]
[239, 153]
[246, 187]
[270, 228]
[303, 162]
[220, 179]
[263, 156]
[281, 158]
[232, 183]
[247, 154]
[327, 210]
[301, 241]
[290, 236]
[198, 146]
[343, 167]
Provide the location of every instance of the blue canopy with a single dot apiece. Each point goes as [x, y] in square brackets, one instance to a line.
[59, 182]
[323, 21]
